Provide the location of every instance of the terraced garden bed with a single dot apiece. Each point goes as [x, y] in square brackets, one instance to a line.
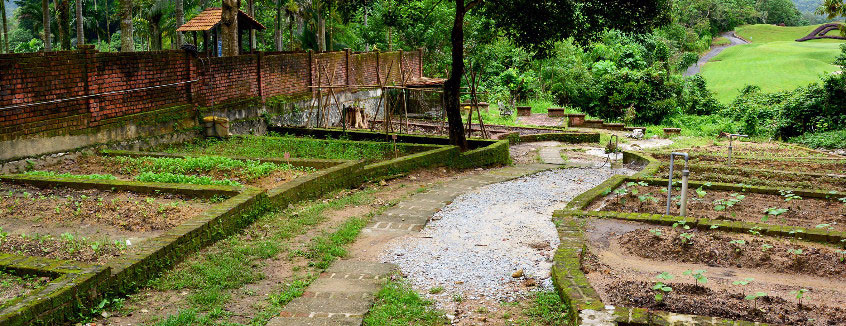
[714, 273]
[753, 150]
[204, 170]
[87, 225]
[811, 165]
[786, 208]
[296, 147]
[755, 177]
[13, 286]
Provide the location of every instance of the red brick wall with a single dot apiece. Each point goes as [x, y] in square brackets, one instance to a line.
[131, 83]
[140, 70]
[285, 74]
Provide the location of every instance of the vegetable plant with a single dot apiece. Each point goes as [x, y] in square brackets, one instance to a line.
[789, 195]
[800, 294]
[698, 276]
[686, 237]
[742, 284]
[755, 230]
[754, 297]
[724, 204]
[772, 212]
[656, 232]
[738, 243]
[701, 193]
[660, 288]
[682, 224]
[765, 247]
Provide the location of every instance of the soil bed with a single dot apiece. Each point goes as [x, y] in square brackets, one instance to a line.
[13, 286]
[296, 147]
[731, 206]
[837, 167]
[206, 170]
[624, 259]
[701, 172]
[86, 225]
[754, 150]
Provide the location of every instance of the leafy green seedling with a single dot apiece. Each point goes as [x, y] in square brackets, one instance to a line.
[800, 294]
[825, 226]
[773, 211]
[755, 230]
[789, 195]
[701, 193]
[738, 243]
[682, 224]
[797, 252]
[698, 276]
[755, 296]
[765, 247]
[842, 253]
[742, 284]
[662, 288]
[714, 227]
[656, 232]
[686, 237]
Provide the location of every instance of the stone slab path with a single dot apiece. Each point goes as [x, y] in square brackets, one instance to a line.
[345, 292]
[552, 155]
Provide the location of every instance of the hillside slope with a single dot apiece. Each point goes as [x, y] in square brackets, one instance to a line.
[773, 61]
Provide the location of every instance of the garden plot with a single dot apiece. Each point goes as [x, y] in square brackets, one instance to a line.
[807, 165]
[742, 149]
[203, 170]
[724, 174]
[785, 208]
[716, 274]
[14, 286]
[86, 225]
[295, 147]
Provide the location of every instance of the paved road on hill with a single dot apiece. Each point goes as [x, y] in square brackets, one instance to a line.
[694, 69]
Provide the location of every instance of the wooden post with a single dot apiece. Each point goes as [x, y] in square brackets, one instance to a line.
[347, 61]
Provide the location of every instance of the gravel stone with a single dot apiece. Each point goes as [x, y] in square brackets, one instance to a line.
[474, 245]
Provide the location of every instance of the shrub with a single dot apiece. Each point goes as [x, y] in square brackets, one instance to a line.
[829, 139]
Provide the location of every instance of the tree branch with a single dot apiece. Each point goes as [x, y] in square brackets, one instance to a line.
[470, 5]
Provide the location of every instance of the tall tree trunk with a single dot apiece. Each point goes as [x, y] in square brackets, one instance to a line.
[180, 20]
[366, 45]
[251, 10]
[321, 32]
[229, 27]
[277, 27]
[63, 20]
[80, 32]
[5, 27]
[127, 41]
[45, 9]
[452, 87]
[155, 35]
[108, 29]
[291, 34]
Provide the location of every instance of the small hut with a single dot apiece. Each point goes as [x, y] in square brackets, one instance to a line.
[208, 22]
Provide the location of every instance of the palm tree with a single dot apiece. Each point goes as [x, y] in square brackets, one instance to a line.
[292, 10]
[45, 13]
[127, 41]
[80, 33]
[155, 14]
[180, 19]
[5, 27]
[63, 21]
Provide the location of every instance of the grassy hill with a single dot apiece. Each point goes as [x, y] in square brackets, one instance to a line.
[774, 61]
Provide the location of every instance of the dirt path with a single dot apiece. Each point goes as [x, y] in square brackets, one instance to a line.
[731, 36]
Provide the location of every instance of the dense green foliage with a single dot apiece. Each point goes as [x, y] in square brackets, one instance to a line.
[243, 169]
[276, 147]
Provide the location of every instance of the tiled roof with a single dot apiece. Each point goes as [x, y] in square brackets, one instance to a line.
[210, 17]
[425, 82]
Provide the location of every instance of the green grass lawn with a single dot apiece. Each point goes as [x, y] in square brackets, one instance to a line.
[774, 61]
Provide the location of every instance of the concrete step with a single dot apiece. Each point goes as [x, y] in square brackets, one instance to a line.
[316, 321]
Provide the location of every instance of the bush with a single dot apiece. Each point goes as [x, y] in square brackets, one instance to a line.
[830, 139]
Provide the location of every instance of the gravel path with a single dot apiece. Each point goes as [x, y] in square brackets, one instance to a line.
[694, 69]
[474, 244]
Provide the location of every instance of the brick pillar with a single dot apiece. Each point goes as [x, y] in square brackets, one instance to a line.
[378, 69]
[259, 60]
[89, 55]
[190, 74]
[311, 70]
[401, 68]
[347, 64]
